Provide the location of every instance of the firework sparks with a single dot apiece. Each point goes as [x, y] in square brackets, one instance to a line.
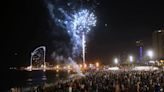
[83, 21]
[77, 23]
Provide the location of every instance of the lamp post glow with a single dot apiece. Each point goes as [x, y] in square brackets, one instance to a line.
[85, 65]
[97, 64]
[57, 67]
[116, 61]
[150, 54]
[131, 59]
[80, 65]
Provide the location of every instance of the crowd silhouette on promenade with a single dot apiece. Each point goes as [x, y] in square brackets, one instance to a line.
[111, 81]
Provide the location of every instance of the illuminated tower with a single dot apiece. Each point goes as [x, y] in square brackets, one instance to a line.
[139, 44]
[158, 43]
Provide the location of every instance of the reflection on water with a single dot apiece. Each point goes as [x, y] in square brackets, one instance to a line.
[28, 80]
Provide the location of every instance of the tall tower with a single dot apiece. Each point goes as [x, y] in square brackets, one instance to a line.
[158, 43]
[139, 44]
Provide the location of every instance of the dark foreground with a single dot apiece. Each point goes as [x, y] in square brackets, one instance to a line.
[26, 81]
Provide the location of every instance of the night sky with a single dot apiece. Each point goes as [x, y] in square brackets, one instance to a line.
[26, 25]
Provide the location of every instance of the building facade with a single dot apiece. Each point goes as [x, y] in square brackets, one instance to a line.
[158, 44]
[140, 45]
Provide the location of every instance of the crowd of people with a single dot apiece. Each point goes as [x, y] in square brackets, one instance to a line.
[112, 81]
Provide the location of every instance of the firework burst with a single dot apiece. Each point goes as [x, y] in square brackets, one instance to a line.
[77, 23]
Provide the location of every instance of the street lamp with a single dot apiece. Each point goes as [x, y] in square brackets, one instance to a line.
[131, 58]
[150, 54]
[116, 61]
[97, 64]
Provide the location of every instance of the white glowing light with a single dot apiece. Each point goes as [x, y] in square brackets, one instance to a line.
[80, 65]
[57, 66]
[131, 58]
[150, 54]
[85, 65]
[113, 68]
[83, 21]
[145, 68]
[116, 61]
[97, 64]
[83, 47]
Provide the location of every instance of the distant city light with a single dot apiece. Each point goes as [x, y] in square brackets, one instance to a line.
[69, 67]
[85, 65]
[106, 25]
[97, 64]
[131, 58]
[57, 66]
[150, 54]
[90, 65]
[113, 68]
[80, 65]
[116, 61]
[145, 68]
